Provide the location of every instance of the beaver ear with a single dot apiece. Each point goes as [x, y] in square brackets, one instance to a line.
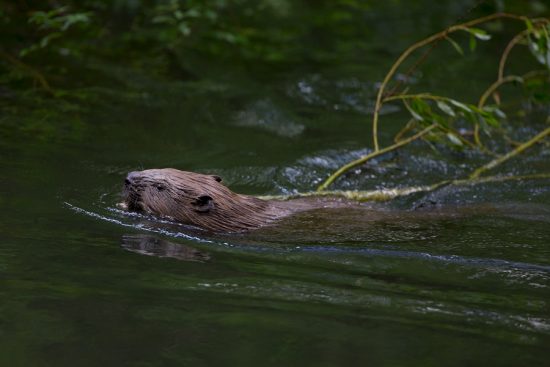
[203, 203]
[217, 178]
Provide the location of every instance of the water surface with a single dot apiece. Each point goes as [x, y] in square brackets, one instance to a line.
[466, 282]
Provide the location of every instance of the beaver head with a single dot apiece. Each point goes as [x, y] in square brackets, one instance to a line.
[193, 198]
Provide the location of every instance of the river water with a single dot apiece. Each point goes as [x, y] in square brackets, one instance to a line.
[464, 281]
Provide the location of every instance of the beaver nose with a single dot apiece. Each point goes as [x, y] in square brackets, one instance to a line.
[131, 178]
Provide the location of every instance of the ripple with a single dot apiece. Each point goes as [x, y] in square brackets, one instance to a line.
[348, 94]
[140, 226]
[266, 115]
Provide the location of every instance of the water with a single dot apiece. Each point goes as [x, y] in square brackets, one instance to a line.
[465, 282]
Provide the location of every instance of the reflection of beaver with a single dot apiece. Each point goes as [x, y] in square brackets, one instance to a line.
[203, 201]
[153, 246]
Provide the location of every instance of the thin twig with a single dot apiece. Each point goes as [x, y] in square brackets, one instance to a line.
[372, 155]
[495, 86]
[408, 127]
[417, 95]
[518, 38]
[477, 136]
[427, 53]
[535, 74]
[510, 154]
[35, 73]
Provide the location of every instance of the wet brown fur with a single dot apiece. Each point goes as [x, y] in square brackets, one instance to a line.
[201, 200]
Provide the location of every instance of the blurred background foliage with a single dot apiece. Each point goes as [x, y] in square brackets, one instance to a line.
[61, 56]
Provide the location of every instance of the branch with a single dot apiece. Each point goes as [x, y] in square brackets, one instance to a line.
[389, 194]
[495, 86]
[372, 155]
[35, 73]
[411, 124]
[418, 95]
[411, 49]
[510, 154]
[518, 38]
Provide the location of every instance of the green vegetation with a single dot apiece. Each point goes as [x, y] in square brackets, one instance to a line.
[58, 59]
[45, 44]
[440, 119]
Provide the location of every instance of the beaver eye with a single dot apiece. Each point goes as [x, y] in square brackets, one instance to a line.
[159, 187]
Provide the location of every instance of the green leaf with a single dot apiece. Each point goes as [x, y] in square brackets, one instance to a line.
[455, 45]
[538, 47]
[486, 116]
[162, 19]
[494, 110]
[440, 120]
[226, 36]
[413, 113]
[498, 112]
[50, 37]
[184, 29]
[446, 108]
[193, 13]
[454, 139]
[490, 119]
[28, 50]
[473, 43]
[211, 15]
[529, 25]
[71, 19]
[421, 107]
[460, 105]
[480, 34]
[471, 118]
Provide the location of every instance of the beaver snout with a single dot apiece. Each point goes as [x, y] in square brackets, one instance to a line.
[131, 192]
[131, 178]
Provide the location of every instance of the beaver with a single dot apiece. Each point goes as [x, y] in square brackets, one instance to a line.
[204, 201]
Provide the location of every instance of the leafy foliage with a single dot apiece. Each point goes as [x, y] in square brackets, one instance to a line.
[454, 118]
[453, 122]
[539, 42]
[54, 24]
[65, 49]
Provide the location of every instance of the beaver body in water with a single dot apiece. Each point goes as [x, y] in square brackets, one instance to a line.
[203, 201]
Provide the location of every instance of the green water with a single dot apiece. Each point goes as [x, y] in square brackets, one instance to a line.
[464, 283]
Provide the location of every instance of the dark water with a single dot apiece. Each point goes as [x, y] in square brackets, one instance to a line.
[83, 284]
